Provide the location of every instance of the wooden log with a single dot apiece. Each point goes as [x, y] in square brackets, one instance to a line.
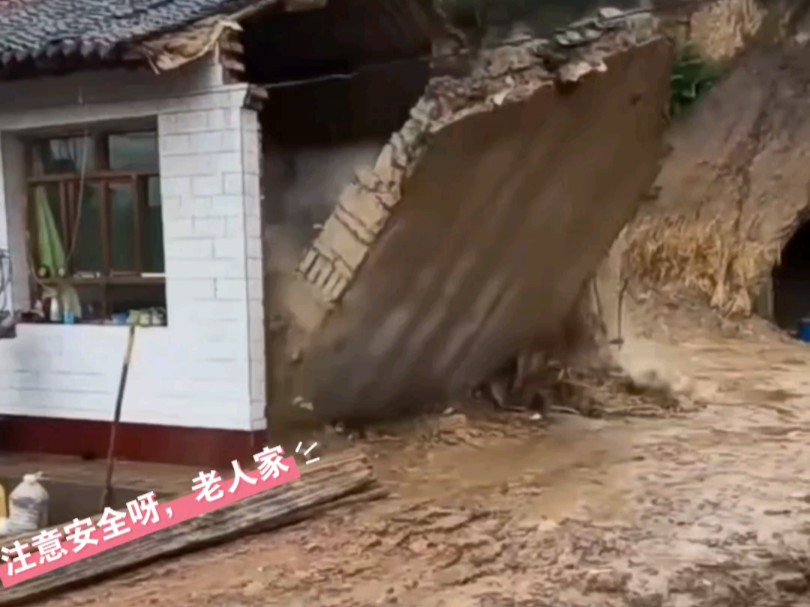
[233, 67]
[337, 480]
[231, 64]
[232, 45]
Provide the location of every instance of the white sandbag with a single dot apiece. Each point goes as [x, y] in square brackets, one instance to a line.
[28, 507]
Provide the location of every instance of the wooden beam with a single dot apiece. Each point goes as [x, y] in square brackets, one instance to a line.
[281, 5]
[336, 480]
[292, 6]
[258, 92]
[228, 43]
[232, 64]
[254, 9]
[230, 56]
[233, 69]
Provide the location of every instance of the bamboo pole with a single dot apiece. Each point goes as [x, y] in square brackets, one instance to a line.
[337, 480]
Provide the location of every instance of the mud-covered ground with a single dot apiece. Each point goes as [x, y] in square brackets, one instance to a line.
[709, 506]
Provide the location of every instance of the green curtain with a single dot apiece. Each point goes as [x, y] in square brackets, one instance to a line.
[51, 251]
[52, 254]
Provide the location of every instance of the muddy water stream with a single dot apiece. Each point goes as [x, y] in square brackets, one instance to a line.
[573, 465]
[708, 508]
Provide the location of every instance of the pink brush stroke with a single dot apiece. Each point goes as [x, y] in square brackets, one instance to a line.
[182, 509]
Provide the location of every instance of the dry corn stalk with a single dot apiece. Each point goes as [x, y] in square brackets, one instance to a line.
[708, 257]
[721, 29]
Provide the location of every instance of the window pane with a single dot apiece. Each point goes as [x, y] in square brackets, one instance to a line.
[122, 223]
[153, 229]
[87, 255]
[91, 298]
[65, 155]
[46, 215]
[124, 298]
[136, 152]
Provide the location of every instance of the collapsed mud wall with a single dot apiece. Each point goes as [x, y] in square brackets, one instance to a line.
[478, 225]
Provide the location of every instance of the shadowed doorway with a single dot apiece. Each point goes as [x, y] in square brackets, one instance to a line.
[791, 281]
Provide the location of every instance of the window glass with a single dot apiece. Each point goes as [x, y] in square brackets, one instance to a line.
[63, 155]
[135, 152]
[96, 199]
[153, 229]
[87, 255]
[122, 227]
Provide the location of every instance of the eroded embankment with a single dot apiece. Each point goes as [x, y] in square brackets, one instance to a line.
[731, 193]
[733, 189]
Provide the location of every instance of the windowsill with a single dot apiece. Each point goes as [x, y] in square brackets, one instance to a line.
[105, 280]
[80, 325]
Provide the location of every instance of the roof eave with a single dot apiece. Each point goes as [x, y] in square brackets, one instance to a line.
[42, 65]
[163, 52]
[171, 50]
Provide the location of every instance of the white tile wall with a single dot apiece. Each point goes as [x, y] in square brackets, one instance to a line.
[206, 369]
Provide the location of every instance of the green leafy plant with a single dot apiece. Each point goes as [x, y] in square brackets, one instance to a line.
[692, 76]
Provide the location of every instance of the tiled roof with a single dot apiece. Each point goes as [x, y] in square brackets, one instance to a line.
[35, 29]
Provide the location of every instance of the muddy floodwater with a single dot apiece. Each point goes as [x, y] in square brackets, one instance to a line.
[704, 507]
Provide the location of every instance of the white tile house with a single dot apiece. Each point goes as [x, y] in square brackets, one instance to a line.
[203, 371]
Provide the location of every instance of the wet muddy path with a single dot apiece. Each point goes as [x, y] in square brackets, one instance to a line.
[708, 507]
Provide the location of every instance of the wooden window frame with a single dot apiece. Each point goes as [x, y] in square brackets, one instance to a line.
[69, 187]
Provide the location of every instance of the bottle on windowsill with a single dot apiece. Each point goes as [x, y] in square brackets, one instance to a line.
[55, 312]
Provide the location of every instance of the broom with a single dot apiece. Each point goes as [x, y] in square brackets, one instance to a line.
[105, 499]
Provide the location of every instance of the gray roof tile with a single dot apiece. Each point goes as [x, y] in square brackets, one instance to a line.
[47, 28]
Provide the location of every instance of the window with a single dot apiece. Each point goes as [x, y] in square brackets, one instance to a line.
[95, 227]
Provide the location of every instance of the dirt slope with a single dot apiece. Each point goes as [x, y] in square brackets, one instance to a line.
[734, 187]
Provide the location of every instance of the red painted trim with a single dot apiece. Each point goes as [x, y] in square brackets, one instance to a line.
[203, 447]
